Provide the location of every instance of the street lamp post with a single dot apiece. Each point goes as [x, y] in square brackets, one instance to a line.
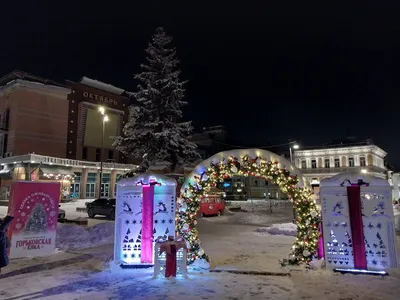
[104, 119]
[295, 147]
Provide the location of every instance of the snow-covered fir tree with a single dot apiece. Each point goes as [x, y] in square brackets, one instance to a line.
[155, 131]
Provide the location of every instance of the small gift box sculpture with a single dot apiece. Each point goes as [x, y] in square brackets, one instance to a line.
[358, 224]
[170, 256]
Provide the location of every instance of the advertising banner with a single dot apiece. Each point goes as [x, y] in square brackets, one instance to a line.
[34, 206]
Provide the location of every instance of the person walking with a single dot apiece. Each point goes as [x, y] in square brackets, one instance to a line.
[4, 242]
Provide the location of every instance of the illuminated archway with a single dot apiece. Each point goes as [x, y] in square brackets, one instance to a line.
[249, 162]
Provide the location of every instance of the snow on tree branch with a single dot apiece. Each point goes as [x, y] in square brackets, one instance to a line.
[155, 131]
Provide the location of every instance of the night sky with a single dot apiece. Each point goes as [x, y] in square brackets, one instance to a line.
[268, 72]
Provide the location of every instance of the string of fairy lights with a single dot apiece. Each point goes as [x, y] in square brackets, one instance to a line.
[307, 213]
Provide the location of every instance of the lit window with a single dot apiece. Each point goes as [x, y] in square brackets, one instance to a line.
[351, 161]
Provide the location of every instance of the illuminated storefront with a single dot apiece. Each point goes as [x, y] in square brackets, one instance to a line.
[79, 179]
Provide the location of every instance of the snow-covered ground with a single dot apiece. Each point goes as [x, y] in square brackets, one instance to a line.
[71, 237]
[288, 229]
[231, 244]
[261, 205]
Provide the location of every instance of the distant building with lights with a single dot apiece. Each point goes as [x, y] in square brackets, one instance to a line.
[349, 156]
[53, 132]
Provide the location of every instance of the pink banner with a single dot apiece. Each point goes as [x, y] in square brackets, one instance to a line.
[356, 224]
[320, 243]
[34, 206]
[147, 224]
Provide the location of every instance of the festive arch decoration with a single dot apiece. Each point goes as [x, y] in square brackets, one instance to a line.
[249, 162]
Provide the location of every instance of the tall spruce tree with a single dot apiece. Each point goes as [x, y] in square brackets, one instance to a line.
[154, 132]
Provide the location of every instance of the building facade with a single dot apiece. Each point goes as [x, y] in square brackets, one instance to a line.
[85, 124]
[319, 163]
[54, 132]
[210, 140]
[34, 117]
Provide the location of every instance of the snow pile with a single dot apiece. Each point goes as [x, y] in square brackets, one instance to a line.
[228, 211]
[288, 229]
[396, 210]
[260, 205]
[249, 218]
[70, 237]
[199, 265]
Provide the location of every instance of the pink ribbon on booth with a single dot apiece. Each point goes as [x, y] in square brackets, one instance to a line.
[356, 225]
[147, 224]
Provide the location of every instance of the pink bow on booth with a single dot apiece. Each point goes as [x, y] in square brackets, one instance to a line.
[356, 222]
[147, 221]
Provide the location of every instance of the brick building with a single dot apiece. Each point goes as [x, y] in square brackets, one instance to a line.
[52, 131]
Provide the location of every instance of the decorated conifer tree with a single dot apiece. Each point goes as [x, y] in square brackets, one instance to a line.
[155, 131]
[37, 221]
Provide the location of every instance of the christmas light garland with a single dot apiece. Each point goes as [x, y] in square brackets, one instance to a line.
[307, 214]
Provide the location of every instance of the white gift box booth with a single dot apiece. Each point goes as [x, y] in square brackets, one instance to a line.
[145, 212]
[358, 223]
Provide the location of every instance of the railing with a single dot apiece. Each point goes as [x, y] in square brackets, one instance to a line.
[342, 169]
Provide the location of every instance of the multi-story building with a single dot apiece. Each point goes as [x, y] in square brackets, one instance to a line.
[54, 132]
[327, 161]
[210, 140]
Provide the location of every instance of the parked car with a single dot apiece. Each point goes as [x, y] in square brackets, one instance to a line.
[101, 206]
[61, 214]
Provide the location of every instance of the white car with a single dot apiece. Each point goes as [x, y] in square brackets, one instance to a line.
[61, 214]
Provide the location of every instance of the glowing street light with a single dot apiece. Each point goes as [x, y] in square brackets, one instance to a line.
[364, 171]
[104, 119]
[295, 147]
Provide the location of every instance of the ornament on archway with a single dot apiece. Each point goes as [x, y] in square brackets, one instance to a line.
[308, 216]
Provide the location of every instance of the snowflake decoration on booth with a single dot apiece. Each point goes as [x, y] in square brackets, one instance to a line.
[18, 226]
[307, 222]
[52, 214]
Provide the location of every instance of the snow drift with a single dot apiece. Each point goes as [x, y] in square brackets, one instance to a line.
[249, 218]
[70, 237]
[288, 229]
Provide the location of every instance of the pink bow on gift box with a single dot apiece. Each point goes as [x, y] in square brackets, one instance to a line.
[166, 246]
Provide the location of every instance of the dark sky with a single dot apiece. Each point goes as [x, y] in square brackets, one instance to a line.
[267, 71]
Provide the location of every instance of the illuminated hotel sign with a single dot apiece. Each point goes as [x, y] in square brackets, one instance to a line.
[99, 98]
